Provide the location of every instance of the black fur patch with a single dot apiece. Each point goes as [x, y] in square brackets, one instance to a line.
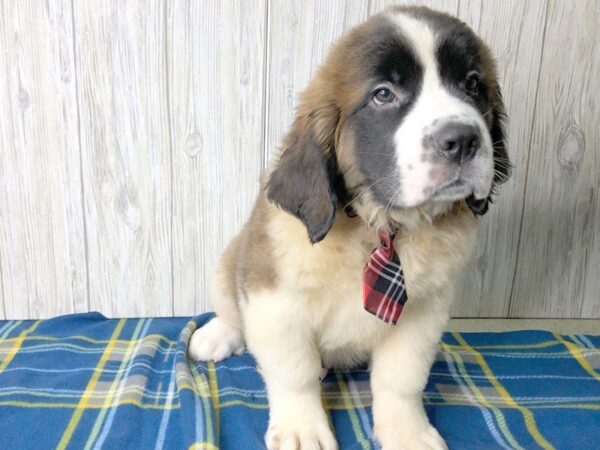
[302, 185]
[458, 54]
[374, 127]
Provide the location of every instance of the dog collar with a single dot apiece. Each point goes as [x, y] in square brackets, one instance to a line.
[384, 291]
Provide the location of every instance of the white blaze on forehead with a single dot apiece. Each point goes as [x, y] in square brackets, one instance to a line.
[422, 40]
[433, 103]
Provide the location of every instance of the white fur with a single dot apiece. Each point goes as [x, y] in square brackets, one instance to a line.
[399, 402]
[435, 103]
[215, 341]
[279, 333]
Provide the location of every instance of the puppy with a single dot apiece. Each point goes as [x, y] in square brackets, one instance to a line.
[397, 144]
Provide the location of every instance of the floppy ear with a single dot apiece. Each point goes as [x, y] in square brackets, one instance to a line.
[303, 180]
[502, 165]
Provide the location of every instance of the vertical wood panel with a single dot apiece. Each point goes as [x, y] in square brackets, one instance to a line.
[447, 6]
[300, 33]
[558, 265]
[216, 87]
[42, 255]
[126, 160]
[514, 31]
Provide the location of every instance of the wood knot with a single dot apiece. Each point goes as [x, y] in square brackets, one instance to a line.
[571, 147]
[23, 99]
[193, 144]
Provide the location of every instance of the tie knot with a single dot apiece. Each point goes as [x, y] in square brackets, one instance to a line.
[386, 239]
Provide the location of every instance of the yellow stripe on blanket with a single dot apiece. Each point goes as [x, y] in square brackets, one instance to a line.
[480, 397]
[112, 391]
[527, 415]
[203, 446]
[82, 405]
[349, 406]
[576, 352]
[17, 345]
[214, 394]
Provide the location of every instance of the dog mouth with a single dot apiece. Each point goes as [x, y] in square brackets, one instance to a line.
[462, 184]
[456, 188]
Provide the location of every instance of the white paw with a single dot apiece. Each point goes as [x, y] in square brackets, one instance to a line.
[429, 439]
[301, 434]
[215, 341]
[397, 438]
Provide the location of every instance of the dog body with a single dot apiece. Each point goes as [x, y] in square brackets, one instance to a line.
[394, 125]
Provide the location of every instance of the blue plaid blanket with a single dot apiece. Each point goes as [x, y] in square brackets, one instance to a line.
[84, 381]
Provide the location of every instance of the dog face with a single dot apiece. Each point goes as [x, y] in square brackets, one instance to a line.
[407, 110]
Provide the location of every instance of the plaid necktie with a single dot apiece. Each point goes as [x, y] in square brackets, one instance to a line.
[384, 293]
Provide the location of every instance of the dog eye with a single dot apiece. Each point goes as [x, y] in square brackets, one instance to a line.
[383, 96]
[472, 82]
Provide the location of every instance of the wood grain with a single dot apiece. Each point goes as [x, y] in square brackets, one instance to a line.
[509, 28]
[42, 251]
[557, 272]
[126, 155]
[216, 61]
[309, 29]
[447, 6]
[133, 135]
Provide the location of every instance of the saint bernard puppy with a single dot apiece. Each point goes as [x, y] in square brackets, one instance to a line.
[401, 134]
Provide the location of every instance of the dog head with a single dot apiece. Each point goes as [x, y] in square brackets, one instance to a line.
[406, 113]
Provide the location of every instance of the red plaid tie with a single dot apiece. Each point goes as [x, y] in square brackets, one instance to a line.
[384, 293]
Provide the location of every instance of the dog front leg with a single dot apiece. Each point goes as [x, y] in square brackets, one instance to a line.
[279, 334]
[399, 372]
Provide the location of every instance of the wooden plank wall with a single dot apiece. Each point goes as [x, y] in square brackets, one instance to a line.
[133, 135]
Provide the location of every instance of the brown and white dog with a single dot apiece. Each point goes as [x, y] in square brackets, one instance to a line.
[404, 122]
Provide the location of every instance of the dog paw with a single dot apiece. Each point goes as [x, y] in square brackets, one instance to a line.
[428, 439]
[215, 341]
[300, 435]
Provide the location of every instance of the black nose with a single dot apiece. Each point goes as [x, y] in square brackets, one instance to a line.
[457, 141]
